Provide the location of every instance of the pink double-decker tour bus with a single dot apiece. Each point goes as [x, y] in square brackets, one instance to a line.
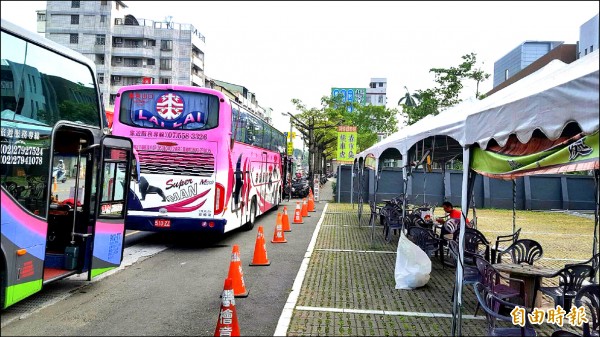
[205, 163]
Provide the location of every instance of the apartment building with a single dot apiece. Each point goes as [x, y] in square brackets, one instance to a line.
[376, 92]
[243, 96]
[126, 50]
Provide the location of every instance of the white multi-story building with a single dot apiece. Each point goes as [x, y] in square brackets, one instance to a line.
[588, 37]
[126, 50]
[376, 92]
[243, 96]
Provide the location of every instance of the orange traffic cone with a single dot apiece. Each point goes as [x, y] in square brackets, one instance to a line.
[278, 236]
[285, 221]
[236, 274]
[260, 250]
[304, 208]
[227, 323]
[298, 213]
[311, 201]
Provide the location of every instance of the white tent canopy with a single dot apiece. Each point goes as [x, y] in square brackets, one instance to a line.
[546, 100]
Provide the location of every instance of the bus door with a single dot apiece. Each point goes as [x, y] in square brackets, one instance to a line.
[69, 211]
[116, 155]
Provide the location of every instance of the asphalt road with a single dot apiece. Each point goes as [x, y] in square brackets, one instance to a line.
[174, 291]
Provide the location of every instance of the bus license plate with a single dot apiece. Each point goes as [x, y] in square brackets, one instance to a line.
[164, 223]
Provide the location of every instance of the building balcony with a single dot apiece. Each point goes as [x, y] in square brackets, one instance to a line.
[142, 71]
[140, 52]
[199, 42]
[71, 29]
[100, 48]
[101, 68]
[199, 62]
[134, 31]
[198, 80]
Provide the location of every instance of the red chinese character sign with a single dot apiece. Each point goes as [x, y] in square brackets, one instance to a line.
[346, 143]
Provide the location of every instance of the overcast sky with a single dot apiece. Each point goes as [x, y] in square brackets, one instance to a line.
[285, 50]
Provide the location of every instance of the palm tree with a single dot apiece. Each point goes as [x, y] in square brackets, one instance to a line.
[409, 100]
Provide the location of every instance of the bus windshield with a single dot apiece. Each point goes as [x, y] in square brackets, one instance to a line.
[167, 109]
[30, 74]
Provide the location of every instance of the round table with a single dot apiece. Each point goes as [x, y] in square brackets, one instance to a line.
[531, 275]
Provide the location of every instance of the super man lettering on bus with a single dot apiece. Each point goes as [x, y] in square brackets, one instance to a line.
[177, 194]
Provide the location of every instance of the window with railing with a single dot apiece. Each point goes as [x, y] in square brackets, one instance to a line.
[132, 80]
[74, 19]
[99, 59]
[132, 63]
[132, 43]
[75, 4]
[74, 38]
[101, 78]
[100, 39]
[165, 80]
[151, 62]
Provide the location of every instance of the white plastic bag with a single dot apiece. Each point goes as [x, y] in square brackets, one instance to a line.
[413, 266]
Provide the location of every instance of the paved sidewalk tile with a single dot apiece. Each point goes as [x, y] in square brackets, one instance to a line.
[349, 287]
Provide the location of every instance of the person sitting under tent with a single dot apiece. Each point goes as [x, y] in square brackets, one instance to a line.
[451, 214]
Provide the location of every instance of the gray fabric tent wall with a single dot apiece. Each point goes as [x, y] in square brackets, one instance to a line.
[543, 192]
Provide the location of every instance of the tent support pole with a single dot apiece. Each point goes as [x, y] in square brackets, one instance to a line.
[514, 197]
[374, 202]
[352, 185]
[405, 163]
[596, 211]
[458, 284]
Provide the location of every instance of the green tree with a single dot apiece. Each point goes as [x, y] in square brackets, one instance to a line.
[446, 93]
[409, 99]
[319, 126]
